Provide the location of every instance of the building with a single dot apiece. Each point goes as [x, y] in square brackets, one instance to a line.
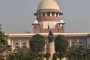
[48, 14]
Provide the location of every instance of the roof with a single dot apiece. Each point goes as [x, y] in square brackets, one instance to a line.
[45, 34]
[48, 4]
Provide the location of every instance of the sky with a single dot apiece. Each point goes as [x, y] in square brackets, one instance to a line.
[16, 16]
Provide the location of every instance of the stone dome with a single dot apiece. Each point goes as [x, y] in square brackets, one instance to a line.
[48, 4]
[35, 22]
[61, 21]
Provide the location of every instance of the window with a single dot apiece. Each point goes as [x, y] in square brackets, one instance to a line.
[73, 42]
[16, 43]
[81, 47]
[16, 46]
[24, 45]
[80, 42]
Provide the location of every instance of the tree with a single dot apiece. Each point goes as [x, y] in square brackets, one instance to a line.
[3, 41]
[76, 52]
[37, 44]
[3, 37]
[61, 45]
[3, 44]
[20, 54]
[72, 51]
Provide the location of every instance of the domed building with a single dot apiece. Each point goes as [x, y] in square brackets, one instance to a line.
[48, 16]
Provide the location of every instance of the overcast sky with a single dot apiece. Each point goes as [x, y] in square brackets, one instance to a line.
[17, 15]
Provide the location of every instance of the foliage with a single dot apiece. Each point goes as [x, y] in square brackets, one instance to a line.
[75, 52]
[37, 43]
[3, 38]
[47, 55]
[20, 54]
[73, 49]
[3, 41]
[61, 44]
[1, 58]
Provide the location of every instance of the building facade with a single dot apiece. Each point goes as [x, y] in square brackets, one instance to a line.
[22, 40]
[48, 15]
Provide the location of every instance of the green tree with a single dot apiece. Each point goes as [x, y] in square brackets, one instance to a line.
[75, 52]
[3, 41]
[61, 45]
[37, 44]
[20, 54]
[3, 37]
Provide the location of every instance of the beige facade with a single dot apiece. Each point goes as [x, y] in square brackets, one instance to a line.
[21, 40]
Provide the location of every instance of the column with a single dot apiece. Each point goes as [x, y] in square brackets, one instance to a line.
[20, 43]
[45, 14]
[9, 41]
[78, 42]
[12, 48]
[55, 14]
[50, 14]
[27, 43]
[58, 15]
[51, 50]
[70, 43]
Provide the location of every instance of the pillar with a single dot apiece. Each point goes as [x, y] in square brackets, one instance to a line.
[27, 43]
[12, 47]
[9, 41]
[45, 14]
[20, 43]
[70, 43]
[51, 49]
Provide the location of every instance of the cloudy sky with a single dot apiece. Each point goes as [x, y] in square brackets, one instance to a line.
[17, 15]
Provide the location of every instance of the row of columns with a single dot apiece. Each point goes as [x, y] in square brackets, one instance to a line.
[20, 44]
[48, 14]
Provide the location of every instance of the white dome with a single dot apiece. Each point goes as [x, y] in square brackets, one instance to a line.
[48, 4]
[35, 22]
[61, 21]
